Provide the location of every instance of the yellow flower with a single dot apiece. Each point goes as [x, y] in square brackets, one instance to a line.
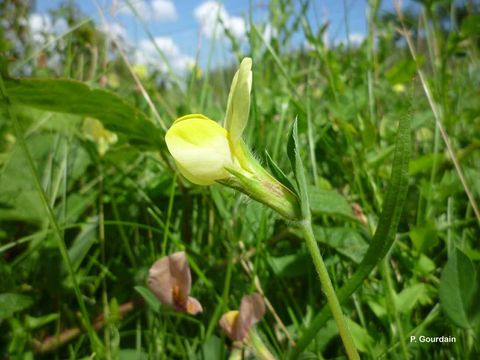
[203, 149]
[94, 130]
[398, 88]
[141, 71]
[207, 153]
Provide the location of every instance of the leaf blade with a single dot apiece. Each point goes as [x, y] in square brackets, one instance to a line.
[457, 288]
[74, 97]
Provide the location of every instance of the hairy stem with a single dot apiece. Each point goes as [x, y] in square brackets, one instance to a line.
[333, 303]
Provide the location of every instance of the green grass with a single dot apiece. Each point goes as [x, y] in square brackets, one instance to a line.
[79, 230]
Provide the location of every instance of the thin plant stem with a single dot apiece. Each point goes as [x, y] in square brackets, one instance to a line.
[259, 348]
[101, 237]
[236, 354]
[391, 300]
[333, 303]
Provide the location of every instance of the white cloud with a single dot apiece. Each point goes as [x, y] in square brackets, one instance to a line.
[354, 39]
[114, 30]
[236, 25]
[141, 8]
[45, 34]
[60, 26]
[156, 10]
[210, 15]
[40, 27]
[39, 22]
[43, 29]
[164, 10]
[214, 19]
[148, 55]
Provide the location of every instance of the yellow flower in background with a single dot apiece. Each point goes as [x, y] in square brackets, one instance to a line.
[94, 130]
[398, 88]
[203, 149]
[141, 71]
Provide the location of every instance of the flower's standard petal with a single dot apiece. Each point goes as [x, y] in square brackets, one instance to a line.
[252, 309]
[200, 148]
[257, 304]
[238, 104]
[190, 116]
[237, 324]
[180, 272]
[160, 281]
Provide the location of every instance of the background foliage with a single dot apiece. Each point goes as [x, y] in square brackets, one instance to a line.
[74, 201]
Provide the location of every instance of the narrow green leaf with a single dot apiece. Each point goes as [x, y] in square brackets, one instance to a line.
[384, 235]
[293, 151]
[82, 243]
[279, 174]
[74, 97]
[149, 298]
[457, 286]
[37, 322]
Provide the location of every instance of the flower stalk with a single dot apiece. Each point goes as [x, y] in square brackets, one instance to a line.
[236, 353]
[259, 348]
[333, 303]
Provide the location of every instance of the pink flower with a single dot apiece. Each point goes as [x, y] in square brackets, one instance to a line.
[170, 280]
[237, 324]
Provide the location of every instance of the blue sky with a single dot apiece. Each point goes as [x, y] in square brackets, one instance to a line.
[179, 27]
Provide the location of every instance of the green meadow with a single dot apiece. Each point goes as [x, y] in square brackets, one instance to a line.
[374, 144]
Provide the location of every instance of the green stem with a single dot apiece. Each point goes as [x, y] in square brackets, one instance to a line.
[260, 350]
[327, 286]
[236, 353]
